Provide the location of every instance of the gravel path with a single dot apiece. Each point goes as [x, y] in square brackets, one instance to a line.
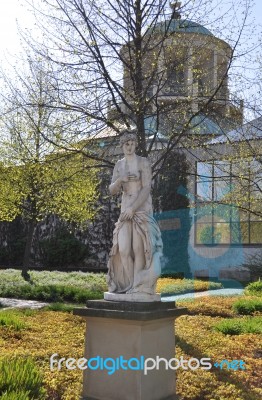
[16, 303]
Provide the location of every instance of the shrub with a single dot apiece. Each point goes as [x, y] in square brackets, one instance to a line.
[13, 252]
[237, 326]
[21, 395]
[53, 293]
[11, 320]
[247, 306]
[27, 312]
[254, 264]
[172, 275]
[62, 249]
[209, 305]
[53, 286]
[254, 288]
[60, 307]
[20, 375]
[11, 279]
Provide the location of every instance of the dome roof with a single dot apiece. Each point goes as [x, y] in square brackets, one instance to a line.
[203, 125]
[199, 125]
[181, 25]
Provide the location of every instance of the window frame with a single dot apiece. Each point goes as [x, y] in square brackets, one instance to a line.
[212, 204]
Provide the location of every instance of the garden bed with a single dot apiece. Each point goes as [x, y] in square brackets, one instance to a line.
[37, 334]
[78, 287]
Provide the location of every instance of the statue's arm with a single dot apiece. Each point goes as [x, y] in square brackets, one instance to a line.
[146, 177]
[116, 182]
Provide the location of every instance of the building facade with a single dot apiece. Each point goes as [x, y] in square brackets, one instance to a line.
[224, 186]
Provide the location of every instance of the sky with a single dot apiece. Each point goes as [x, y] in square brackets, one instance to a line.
[13, 11]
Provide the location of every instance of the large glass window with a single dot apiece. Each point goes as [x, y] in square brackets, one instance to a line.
[228, 203]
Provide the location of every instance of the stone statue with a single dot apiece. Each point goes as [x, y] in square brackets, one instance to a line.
[134, 260]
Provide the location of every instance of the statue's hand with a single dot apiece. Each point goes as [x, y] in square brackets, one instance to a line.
[129, 178]
[128, 214]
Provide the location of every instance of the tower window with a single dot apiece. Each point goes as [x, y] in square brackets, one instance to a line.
[176, 78]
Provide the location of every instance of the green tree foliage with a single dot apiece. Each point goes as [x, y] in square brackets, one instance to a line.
[64, 186]
[36, 179]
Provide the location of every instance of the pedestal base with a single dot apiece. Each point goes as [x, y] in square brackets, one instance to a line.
[124, 331]
[173, 397]
[132, 297]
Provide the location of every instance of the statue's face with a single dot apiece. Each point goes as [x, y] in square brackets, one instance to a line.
[129, 147]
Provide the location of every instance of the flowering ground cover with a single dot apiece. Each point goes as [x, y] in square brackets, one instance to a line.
[197, 337]
[39, 334]
[168, 286]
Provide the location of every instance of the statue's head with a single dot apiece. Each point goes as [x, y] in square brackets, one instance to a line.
[126, 135]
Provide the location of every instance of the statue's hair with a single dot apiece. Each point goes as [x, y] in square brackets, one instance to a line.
[126, 135]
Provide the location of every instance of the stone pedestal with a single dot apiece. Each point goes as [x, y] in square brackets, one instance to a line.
[122, 331]
[132, 297]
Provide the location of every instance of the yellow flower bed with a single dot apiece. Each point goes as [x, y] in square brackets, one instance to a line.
[198, 285]
[51, 332]
[197, 339]
[162, 282]
[209, 305]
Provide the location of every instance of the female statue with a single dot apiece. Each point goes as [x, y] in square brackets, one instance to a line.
[134, 260]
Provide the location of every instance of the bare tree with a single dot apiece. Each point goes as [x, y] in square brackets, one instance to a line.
[115, 63]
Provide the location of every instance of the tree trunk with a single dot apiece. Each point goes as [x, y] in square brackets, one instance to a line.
[26, 259]
[138, 80]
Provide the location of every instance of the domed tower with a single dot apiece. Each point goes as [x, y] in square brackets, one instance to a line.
[192, 68]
